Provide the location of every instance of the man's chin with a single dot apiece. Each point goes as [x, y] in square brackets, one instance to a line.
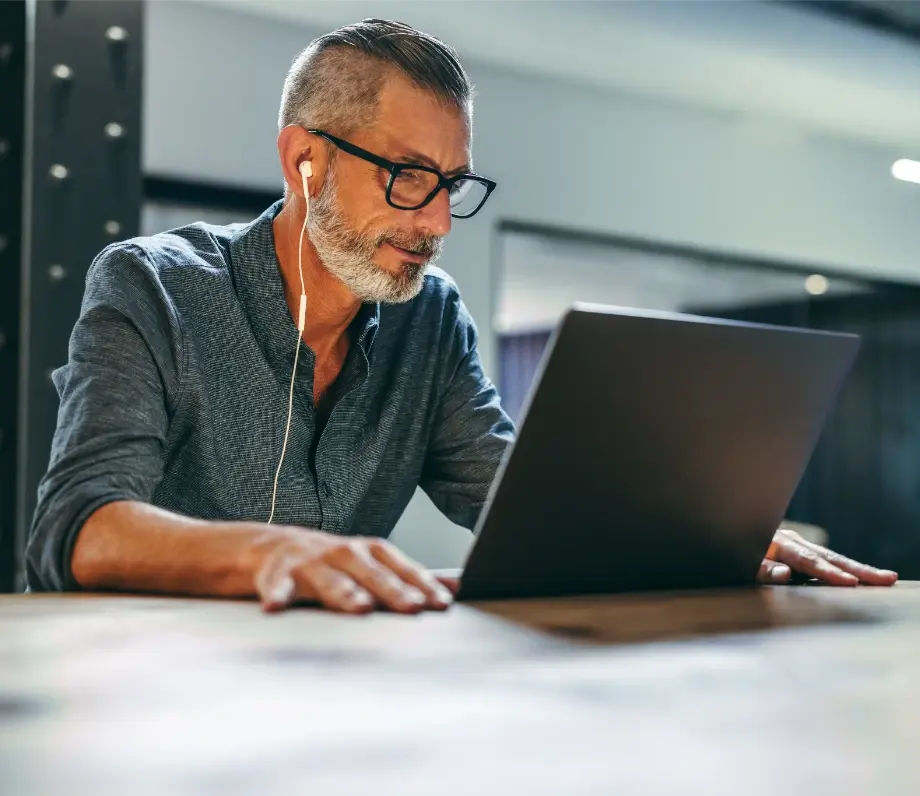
[405, 291]
[405, 286]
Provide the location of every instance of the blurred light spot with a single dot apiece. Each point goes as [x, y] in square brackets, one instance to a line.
[907, 170]
[816, 285]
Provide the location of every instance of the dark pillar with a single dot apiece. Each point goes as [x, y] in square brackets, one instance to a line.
[81, 190]
[12, 119]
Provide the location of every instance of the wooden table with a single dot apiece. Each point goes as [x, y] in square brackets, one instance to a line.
[801, 690]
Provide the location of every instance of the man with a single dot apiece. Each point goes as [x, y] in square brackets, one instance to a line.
[181, 381]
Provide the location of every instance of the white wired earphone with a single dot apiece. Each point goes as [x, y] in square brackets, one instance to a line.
[306, 171]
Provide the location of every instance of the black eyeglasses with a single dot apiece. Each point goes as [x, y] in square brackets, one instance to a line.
[411, 187]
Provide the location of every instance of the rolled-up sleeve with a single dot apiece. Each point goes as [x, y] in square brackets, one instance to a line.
[471, 430]
[116, 394]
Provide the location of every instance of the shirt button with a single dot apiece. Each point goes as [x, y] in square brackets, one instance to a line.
[327, 490]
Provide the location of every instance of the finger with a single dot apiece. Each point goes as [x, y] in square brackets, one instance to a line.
[284, 579]
[773, 572]
[869, 575]
[277, 590]
[382, 583]
[807, 561]
[333, 589]
[436, 595]
[274, 583]
[451, 583]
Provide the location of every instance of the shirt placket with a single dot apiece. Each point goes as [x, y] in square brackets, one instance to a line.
[336, 441]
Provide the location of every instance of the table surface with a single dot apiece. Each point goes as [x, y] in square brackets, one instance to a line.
[798, 689]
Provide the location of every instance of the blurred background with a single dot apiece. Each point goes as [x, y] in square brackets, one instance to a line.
[739, 159]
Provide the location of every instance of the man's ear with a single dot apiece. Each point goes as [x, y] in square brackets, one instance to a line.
[296, 146]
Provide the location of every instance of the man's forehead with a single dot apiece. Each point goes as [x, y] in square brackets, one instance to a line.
[413, 123]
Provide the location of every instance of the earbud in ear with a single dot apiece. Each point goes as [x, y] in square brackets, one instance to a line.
[306, 171]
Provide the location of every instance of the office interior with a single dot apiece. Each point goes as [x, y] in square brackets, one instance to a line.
[750, 160]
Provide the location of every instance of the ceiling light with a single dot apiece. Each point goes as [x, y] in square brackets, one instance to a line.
[816, 285]
[907, 170]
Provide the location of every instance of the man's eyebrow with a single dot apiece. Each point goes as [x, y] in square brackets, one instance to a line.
[414, 158]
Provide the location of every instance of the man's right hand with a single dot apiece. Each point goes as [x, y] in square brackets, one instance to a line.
[131, 546]
[350, 574]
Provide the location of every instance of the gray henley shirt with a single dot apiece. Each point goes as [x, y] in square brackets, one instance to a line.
[176, 390]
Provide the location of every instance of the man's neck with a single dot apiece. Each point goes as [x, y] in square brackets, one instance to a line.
[331, 307]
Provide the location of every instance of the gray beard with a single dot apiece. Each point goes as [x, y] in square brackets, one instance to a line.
[349, 255]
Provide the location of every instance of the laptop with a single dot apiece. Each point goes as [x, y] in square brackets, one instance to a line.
[657, 451]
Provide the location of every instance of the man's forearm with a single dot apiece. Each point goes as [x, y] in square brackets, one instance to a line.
[133, 546]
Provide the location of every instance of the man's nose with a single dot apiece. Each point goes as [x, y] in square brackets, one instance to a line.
[434, 218]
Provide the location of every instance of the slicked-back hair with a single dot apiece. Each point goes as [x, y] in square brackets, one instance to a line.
[335, 83]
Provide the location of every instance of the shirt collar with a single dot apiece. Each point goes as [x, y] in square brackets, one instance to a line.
[256, 275]
[366, 324]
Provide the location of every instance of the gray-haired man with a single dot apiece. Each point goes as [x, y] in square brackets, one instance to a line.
[175, 397]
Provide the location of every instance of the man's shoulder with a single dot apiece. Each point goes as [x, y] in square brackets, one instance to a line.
[438, 309]
[439, 291]
[439, 280]
[169, 270]
[198, 247]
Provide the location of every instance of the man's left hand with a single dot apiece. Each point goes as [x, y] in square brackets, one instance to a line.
[790, 553]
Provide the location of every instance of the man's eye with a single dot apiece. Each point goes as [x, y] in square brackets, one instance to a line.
[408, 176]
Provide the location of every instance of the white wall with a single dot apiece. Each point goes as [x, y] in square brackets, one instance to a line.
[563, 154]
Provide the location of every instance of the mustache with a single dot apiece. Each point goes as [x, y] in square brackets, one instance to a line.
[426, 245]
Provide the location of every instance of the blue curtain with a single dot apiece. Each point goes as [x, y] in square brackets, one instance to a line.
[519, 358]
